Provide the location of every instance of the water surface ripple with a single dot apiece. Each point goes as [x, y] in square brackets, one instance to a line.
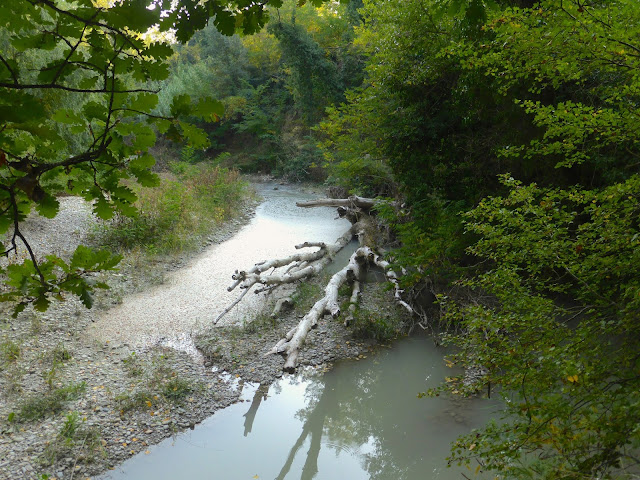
[361, 420]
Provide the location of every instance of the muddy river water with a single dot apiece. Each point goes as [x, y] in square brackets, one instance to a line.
[357, 420]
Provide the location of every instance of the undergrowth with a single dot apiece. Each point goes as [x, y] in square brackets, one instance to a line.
[307, 293]
[174, 216]
[380, 327]
[159, 385]
[9, 352]
[75, 440]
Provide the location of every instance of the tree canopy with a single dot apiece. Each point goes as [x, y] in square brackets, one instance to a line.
[510, 129]
[77, 116]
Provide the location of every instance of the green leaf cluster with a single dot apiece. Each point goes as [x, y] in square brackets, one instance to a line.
[37, 283]
[559, 339]
[78, 102]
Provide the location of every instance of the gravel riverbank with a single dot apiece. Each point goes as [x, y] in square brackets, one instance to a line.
[72, 406]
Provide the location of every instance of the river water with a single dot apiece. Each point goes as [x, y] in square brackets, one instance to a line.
[358, 420]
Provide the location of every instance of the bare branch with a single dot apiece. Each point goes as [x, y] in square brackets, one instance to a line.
[230, 307]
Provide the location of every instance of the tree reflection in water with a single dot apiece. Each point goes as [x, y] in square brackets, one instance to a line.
[369, 410]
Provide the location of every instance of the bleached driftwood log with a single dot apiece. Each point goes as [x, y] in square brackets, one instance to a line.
[294, 339]
[393, 278]
[353, 302]
[303, 265]
[351, 202]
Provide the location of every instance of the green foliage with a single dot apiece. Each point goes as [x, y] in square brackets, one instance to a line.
[573, 70]
[210, 63]
[273, 87]
[419, 119]
[158, 384]
[139, 400]
[176, 389]
[305, 295]
[60, 354]
[189, 154]
[133, 365]
[171, 217]
[380, 327]
[74, 440]
[71, 425]
[561, 340]
[299, 160]
[352, 154]
[262, 322]
[78, 109]
[39, 406]
[313, 78]
[431, 238]
[9, 351]
[35, 283]
[457, 93]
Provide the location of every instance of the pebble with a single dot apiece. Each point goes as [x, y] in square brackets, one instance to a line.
[98, 364]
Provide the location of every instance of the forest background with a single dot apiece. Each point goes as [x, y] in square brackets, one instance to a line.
[508, 130]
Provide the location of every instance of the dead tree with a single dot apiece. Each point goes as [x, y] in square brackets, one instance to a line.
[303, 265]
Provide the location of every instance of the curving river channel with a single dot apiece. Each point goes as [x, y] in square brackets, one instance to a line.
[358, 420]
[193, 296]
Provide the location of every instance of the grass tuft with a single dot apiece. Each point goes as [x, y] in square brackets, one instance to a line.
[9, 351]
[380, 327]
[39, 406]
[60, 354]
[75, 440]
[158, 384]
[177, 389]
[139, 400]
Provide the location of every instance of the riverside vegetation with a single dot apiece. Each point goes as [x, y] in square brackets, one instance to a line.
[190, 201]
[76, 406]
[69, 401]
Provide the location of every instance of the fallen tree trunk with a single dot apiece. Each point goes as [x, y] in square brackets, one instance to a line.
[351, 202]
[294, 339]
[304, 265]
[301, 265]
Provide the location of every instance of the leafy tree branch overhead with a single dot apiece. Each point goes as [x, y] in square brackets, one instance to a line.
[77, 115]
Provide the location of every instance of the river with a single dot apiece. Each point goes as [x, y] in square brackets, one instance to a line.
[357, 420]
[193, 296]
